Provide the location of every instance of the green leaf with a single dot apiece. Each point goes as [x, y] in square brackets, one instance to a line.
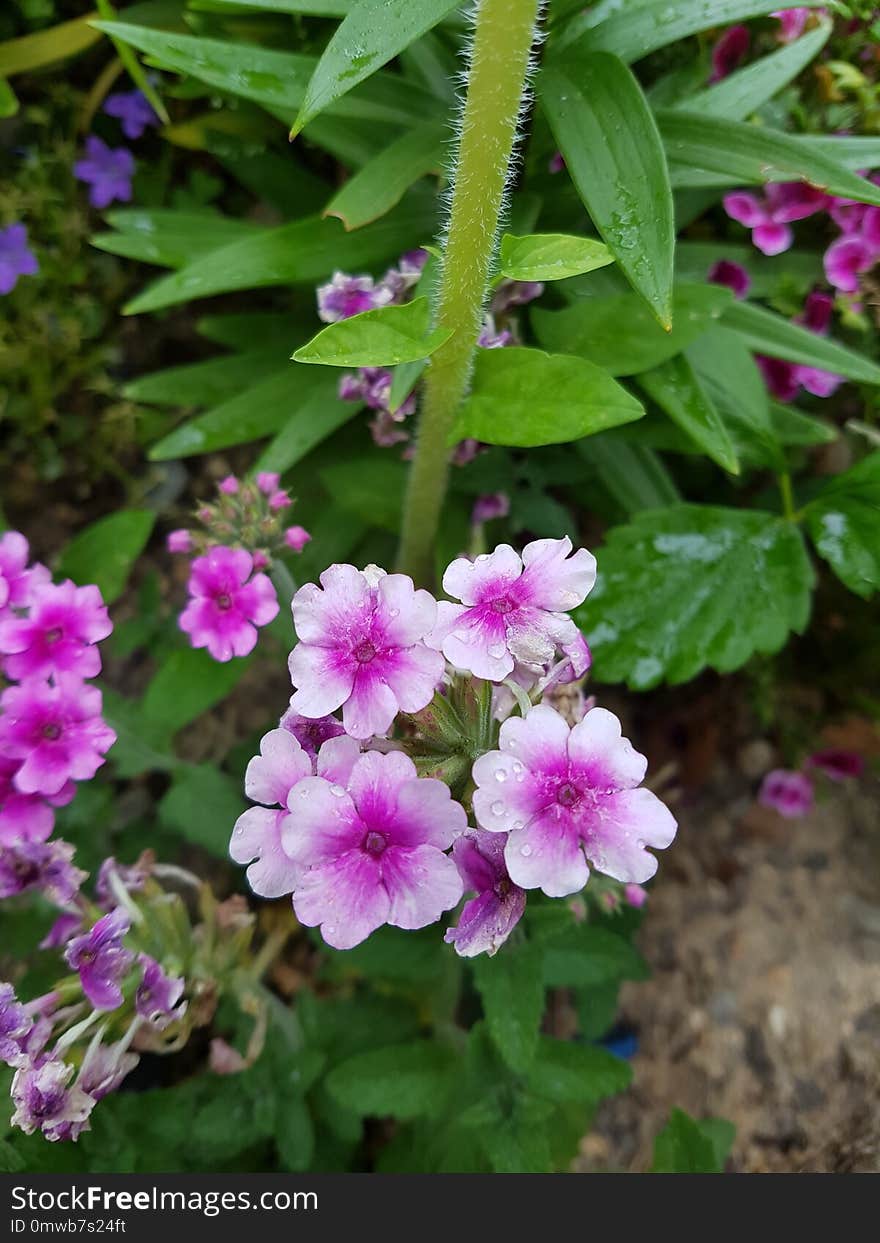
[583, 957]
[524, 397]
[302, 252]
[105, 552]
[844, 524]
[678, 392]
[315, 418]
[167, 237]
[632, 474]
[372, 489]
[512, 990]
[609, 138]
[686, 1146]
[188, 683]
[633, 30]
[295, 1134]
[517, 1140]
[201, 384]
[755, 154]
[404, 1081]
[369, 37]
[382, 182]
[768, 333]
[620, 334]
[8, 108]
[381, 338]
[793, 427]
[550, 256]
[735, 386]
[202, 805]
[583, 1074]
[691, 587]
[133, 66]
[46, 46]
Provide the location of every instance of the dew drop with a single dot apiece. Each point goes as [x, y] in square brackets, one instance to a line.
[526, 851]
[500, 774]
[336, 791]
[498, 808]
[518, 824]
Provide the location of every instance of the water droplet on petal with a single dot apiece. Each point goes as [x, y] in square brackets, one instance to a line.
[526, 851]
[337, 791]
[518, 824]
[500, 774]
[498, 808]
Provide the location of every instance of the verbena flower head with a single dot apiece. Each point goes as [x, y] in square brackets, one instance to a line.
[133, 110]
[733, 275]
[107, 171]
[40, 867]
[514, 608]
[59, 635]
[729, 52]
[789, 793]
[46, 1101]
[566, 796]
[488, 919]
[362, 649]
[56, 731]
[372, 852]
[15, 1024]
[18, 580]
[16, 258]
[768, 218]
[101, 959]
[346, 295]
[228, 603]
[158, 999]
[837, 763]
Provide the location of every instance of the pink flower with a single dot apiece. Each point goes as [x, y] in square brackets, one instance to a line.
[26, 817]
[296, 538]
[227, 604]
[228, 486]
[793, 22]
[733, 275]
[785, 379]
[279, 500]
[180, 540]
[513, 609]
[769, 219]
[847, 259]
[789, 793]
[490, 506]
[371, 853]
[488, 919]
[18, 582]
[56, 731]
[361, 648]
[836, 763]
[568, 795]
[729, 52]
[59, 634]
[268, 481]
[311, 734]
[635, 895]
[345, 296]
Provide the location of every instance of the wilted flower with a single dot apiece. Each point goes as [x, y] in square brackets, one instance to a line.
[45, 1101]
[40, 867]
[489, 918]
[158, 996]
[15, 1024]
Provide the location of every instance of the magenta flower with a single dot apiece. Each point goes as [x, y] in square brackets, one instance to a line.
[635, 896]
[15, 1025]
[228, 486]
[513, 608]
[837, 763]
[279, 500]
[26, 817]
[729, 52]
[18, 581]
[792, 22]
[40, 867]
[56, 731]
[133, 110]
[567, 795]
[16, 259]
[158, 996]
[227, 604]
[107, 171]
[268, 481]
[45, 1101]
[371, 853]
[789, 793]
[848, 258]
[101, 959]
[784, 379]
[490, 506]
[296, 538]
[345, 296]
[733, 275]
[311, 734]
[113, 876]
[59, 634]
[362, 649]
[488, 919]
[180, 540]
[768, 219]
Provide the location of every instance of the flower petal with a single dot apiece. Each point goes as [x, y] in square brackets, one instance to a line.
[617, 831]
[547, 855]
[597, 750]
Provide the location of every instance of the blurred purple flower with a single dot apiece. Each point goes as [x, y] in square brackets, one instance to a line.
[733, 275]
[107, 171]
[16, 258]
[789, 793]
[769, 218]
[133, 110]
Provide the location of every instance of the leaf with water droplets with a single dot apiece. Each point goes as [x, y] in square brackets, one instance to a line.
[844, 524]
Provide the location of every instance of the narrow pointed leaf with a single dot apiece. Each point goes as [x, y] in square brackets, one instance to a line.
[382, 182]
[105, 552]
[169, 238]
[381, 338]
[315, 418]
[550, 256]
[47, 46]
[677, 391]
[768, 333]
[731, 378]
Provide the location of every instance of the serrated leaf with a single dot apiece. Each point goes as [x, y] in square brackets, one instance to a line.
[565, 1072]
[403, 1081]
[686, 1146]
[524, 397]
[691, 587]
[678, 392]
[382, 182]
[766, 332]
[384, 337]
[550, 256]
[512, 990]
[369, 37]
[844, 524]
[105, 552]
[612, 149]
[620, 334]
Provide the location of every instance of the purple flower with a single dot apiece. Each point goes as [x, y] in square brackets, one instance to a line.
[16, 259]
[371, 852]
[510, 294]
[635, 895]
[729, 52]
[733, 275]
[491, 339]
[23, 817]
[227, 604]
[847, 259]
[158, 996]
[104, 1067]
[43, 867]
[228, 486]
[311, 733]
[345, 296]
[15, 1026]
[769, 219]
[45, 1101]
[567, 795]
[101, 959]
[180, 540]
[513, 609]
[793, 22]
[488, 919]
[56, 731]
[131, 879]
[489, 506]
[65, 926]
[59, 634]
[789, 793]
[556, 163]
[837, 763]
[18, 581]
[361, 648]
[133, 109]
[296, 538]
[785, 379]
[107, 171]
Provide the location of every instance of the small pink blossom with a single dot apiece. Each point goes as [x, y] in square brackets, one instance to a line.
[268, 481]
[769, 218]
[848, 258]
[729, 52]
[296, 538]
[59, 635]
[514, 609]
[18, 581]
[56, 731]
[180, 540]
[362, 649]
[733, 275]
[792, 22]
[279, 500]
[789, 793]
[837, 763]
[490, 506]
[566, 796]
[635, 895]
[345, 296]
[372, 852]
[228, 486]
[228, 604]
[26, 817]
[488, 919]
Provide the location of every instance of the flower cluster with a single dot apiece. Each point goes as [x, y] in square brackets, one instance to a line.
[362, 829]
[52, 733]
[230, 596]
[108, 171]
[791, 792]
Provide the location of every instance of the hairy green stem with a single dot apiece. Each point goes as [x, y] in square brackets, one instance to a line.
[502, 44]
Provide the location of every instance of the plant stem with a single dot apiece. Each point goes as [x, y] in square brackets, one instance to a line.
[499, 65]
[787, 497]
